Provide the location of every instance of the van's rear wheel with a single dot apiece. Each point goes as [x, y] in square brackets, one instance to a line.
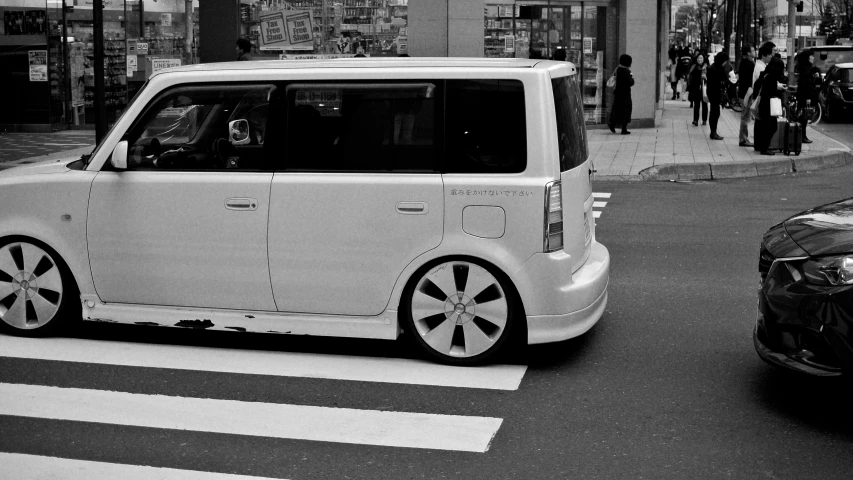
[34, 289]
[459, 312]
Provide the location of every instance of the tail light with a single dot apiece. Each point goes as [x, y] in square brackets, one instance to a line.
[553, 217]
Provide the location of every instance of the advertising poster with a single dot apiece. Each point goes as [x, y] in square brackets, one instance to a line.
[158, 64]
[587, 45]
[284, 30]
[142, 48]
[38, 65]
[509, 43]
[165, 19]
[132, 64]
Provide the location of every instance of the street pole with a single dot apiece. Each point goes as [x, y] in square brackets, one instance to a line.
[99, 100]
[792, 26]
[66, 64]
[188, 38]
[755, 23]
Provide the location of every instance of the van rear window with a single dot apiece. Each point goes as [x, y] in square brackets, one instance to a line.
[571, 129]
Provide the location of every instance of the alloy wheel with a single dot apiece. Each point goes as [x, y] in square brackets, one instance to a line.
[460, 310]
[30, 286]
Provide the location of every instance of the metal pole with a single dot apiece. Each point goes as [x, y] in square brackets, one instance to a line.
[188, 36]
[66, 65]
[99, 101]
[755, 22]
[792, 27]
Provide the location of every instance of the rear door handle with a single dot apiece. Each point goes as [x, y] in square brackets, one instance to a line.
[241, 203]
[413, 208]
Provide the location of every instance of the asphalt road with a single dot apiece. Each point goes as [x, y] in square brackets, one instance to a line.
[841, 130]
[666, 386]
[16, 146]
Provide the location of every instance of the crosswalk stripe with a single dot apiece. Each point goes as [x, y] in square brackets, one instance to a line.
[34, 467]
[284, 364]
[599, 204]
[596, 213]
[600, 195]
[300, 422]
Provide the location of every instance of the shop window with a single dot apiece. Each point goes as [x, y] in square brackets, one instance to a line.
[486, 126]
[361, 127]
[202, 128]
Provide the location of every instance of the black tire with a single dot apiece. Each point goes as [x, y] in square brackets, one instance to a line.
[39, 295]
[447, 328]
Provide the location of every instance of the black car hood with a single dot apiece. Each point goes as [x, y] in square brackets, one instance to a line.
[824, 230]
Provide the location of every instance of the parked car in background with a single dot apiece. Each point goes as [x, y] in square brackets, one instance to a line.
[836, 93]
[805, 299]
[825, 56]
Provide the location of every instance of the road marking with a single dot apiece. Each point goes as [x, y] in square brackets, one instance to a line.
[599, 204]
[34, 467]
[596, 213]
[67, 144]
[600, 195]
[285, 364]
[300, 422]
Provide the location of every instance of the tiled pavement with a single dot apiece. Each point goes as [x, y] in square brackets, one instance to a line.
[676, 141]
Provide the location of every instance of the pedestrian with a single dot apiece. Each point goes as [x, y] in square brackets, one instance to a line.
[671, 65]
[717, 81]
[559, 54]
[244, 49]
[743, 92]
[765, 53]
[807, 77]
[620, 113]
[685, 60]
[697, 78]
[770, 87]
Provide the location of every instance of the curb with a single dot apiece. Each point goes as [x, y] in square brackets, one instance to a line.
[719, 171]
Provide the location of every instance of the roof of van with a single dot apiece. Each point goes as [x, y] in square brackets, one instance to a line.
[844, 65]
[367, 62]
[832, 47]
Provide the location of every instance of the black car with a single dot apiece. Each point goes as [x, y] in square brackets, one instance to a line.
[836, 93]
[805, 303]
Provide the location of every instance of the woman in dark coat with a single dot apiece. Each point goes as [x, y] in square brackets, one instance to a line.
[765, 125]
[716, 83]
[696, 79]
[807, 77]
[620, 114]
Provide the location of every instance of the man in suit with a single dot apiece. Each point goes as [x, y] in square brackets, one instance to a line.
[743, 89]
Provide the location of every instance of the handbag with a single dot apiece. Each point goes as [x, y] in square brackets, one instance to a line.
[611, 82]
[704, 93]
[775, 107]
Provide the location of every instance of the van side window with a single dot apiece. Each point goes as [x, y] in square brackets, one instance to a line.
[571, 129]
[359, 127]
[486, 126]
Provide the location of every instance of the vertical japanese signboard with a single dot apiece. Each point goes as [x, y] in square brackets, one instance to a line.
[38, 65]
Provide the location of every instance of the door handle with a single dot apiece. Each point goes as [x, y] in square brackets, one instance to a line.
[241, 203]
[413, 208]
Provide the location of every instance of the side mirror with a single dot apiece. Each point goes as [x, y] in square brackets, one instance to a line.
[238, 132]
[119, 157]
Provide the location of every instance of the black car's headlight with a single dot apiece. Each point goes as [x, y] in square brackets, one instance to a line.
[835, 270]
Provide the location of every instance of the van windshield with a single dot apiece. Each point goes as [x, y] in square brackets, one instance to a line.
[571, 129]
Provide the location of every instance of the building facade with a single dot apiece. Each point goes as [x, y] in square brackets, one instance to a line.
[53, 80]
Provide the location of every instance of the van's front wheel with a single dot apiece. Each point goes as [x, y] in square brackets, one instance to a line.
[459, 312]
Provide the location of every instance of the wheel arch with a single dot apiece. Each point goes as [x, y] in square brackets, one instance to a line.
[61, 257]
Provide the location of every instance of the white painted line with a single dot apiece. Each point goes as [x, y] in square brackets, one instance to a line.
[67, 144]
[34, 467]
[283, 364]
[300, 422]
[596, 213]
[599, 204]
[600, 195]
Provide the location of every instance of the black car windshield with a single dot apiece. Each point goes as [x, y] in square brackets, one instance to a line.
[845, 76]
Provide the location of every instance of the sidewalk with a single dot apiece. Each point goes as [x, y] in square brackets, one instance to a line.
[676, 150]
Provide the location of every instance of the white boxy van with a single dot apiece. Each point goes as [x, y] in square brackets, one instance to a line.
[446, 198]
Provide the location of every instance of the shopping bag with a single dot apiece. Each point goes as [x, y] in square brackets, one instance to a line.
[704, 93]
[611, 82]
[775, 107]
[753, 107]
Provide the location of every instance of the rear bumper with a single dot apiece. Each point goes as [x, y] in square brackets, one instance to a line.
[561, 304]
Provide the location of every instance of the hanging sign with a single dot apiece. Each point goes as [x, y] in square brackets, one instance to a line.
[142, 48]
[287, 31]
[587, 45]
[38, 65]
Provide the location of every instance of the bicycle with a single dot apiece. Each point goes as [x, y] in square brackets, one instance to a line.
[794, 111]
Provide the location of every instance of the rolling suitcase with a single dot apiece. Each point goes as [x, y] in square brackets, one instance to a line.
[777, 141]
[793, 138]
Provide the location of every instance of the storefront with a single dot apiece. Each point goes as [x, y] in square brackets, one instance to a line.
[139, 36]
[586, 32]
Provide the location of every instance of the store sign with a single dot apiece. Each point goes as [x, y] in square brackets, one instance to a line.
[165, 19]
[287, 31]
[142, 48]
[38, 65]
[509, 43]
[158, 64]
